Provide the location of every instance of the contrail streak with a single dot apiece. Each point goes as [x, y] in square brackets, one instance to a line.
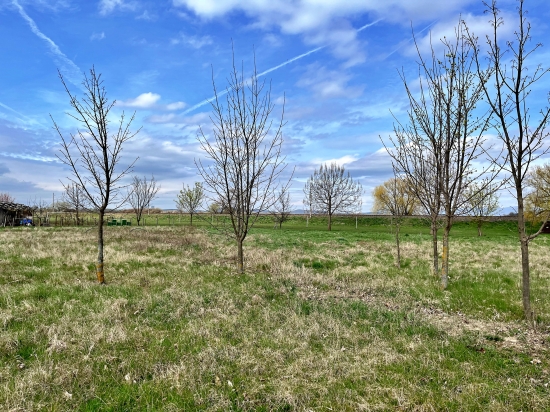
[69, 69]
[368, 25]
[207, 101]
[21, 117]
[408, 41]
[204, 102]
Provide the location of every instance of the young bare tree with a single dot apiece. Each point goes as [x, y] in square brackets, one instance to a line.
[395, 197]
[190, 199]
[330, 190]
[75, 198]
[94, 152]
[141, 193]
[244, 153]
[282, 208]
[482, 202]
[436, 151]
[508, 87]
[6, 198]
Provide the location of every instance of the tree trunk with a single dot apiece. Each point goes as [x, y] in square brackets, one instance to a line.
[445, 255]
[525, 279]
[191, 218]
[435, 267]
[479, 229]
[99, 265]
[329, 222]
[240, 257]
[398, 263]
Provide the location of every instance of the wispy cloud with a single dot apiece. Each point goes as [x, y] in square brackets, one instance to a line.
[196, 42]
[67, 67]
[272, 69]
[22, 116]
[406, 42]
[97, 36]
[175, 106]
[108, 6]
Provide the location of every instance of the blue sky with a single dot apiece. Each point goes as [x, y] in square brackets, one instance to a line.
[334, 62]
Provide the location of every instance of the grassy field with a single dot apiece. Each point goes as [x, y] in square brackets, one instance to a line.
[320, 321]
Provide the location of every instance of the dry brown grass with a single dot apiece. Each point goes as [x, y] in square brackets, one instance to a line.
[176, 322]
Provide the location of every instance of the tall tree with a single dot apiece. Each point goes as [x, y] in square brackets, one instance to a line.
[508, 85]
[190, 199]
[141, 193]
[330, 190]
[395, 197]
[436, 151]
[244, 154]
[94, 152]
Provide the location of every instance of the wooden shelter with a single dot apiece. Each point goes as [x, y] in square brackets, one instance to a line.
[12, 213]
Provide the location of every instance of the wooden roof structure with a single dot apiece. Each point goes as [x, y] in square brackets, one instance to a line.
[15, 207]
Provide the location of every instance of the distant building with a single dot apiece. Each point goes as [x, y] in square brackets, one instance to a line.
[12, 213]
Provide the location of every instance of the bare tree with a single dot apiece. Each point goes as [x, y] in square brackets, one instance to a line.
[507, 89]
[395, 197]
[6, 198]
[75, 198]
[94, 153]
[282, 208]
[330, 190]
[436, 151]
[482, 202]
[190, 199]
[141, 193]
[244, 153]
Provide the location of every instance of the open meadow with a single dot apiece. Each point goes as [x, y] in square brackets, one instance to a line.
[320, 321]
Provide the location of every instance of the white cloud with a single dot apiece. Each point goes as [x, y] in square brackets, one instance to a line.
[97, 36]
[477, 25]
[325, 22]
[143, 101]
[340, 161]
[196, 42]
[328, 84]
[108, 6]
[162, 118]
[302, 15]
[175, 106]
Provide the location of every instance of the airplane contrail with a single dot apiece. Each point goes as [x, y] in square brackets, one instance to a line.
[68, 67]
[368, 25]
[293, 59]
[22, 116]
[204, 102]
[408, 41]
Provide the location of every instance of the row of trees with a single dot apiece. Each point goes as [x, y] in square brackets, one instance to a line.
[436, 151]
